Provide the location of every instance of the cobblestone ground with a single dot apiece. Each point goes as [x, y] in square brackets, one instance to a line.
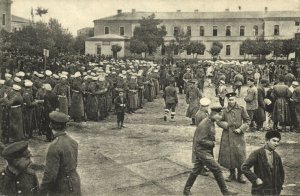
[153, 157]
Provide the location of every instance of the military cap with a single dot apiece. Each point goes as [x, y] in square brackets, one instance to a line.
[204, 101]
[48, 72]
[222, 81]
[270, 134]
[17, 79]
[16, 87]
[232, 94]
[59, 117]
[7, 75]
[16, 150]
[47, 87]
[21, 74]
[216, 109]
[250, 80]
[28, 83]
[77, 74]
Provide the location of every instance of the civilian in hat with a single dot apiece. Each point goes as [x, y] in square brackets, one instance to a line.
[222, 91]
[17, 178]
[281, 111]
[268, 175]
[203, 144]
[193, 96]
[295, 102]
[120, 108]
[251, 101]
[203, 110]
[171, 100]
[60, 175]
[235, 121]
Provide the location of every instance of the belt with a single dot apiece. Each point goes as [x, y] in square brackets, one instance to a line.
[62, 96]
[89, 93]
[75, 91]
[15, 106]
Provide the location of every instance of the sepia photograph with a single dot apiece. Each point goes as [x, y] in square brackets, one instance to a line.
[149, 98]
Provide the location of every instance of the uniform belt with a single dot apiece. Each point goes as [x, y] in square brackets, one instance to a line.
[75, 91]
[62, 96]
[89, 93]
[15, 106]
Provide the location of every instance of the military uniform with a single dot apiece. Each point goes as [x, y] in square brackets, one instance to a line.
[171, 100]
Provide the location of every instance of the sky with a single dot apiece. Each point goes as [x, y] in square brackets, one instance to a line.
[77, 14]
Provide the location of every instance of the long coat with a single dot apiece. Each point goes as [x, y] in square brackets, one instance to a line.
[62, 90]
[281, 111]
[60, 175]
[251, 98]
[200, 115]
[260, 114]
[233, 146]
[193, 96]
[271, 180]
[77, 109]
[91, 102]
[296, 100]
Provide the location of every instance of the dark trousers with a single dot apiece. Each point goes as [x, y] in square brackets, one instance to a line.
[205, 158]
[120, 117]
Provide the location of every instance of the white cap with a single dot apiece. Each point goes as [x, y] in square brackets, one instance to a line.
[55, 76]
[95, 78]
[2, 81]
[48, 72]
[47, 87]
[101, 79]
[28, 83]
[204, 101]
[295, 83]
[16, 79]
[16, 87]
[7, 75]
[63, 76]
[65, 73]
[222, 82]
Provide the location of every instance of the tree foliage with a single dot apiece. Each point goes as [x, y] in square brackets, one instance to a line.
[197, 48]
[115, 48]
[41, 11]
[148, 34]
[183, 40]
[215, 49]
[137, 46]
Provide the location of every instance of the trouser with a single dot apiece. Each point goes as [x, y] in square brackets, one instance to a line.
[172, 107]
[208, 160]
[251, 115]
[120, 117]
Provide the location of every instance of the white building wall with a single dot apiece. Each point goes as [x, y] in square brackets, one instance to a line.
[91, 47]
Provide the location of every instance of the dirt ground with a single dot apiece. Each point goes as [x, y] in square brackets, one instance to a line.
[153, 157]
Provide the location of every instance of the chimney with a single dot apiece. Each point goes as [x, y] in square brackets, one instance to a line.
[133, 11]
[178, 11]
[119, 11]
[196, 10]
[227, 10]
[266, 9]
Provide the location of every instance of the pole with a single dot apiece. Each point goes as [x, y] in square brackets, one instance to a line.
[45, 59]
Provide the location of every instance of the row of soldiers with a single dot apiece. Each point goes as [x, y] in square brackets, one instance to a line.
[88, 94]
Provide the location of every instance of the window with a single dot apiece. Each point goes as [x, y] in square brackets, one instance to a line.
[176, 51]
[189, 30]
[228, 30]
[241, 51]
[242, 30]
[201, 30]
[176, 31]
[276, 29]
[164, 28]
[227, 50]
[106, 30]
[3, 19]
[122, 30]
[215, 31]
[297, 23]
[255, 30]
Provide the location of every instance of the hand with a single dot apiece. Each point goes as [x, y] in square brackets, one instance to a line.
[237, 131]
[5, 95]
[259, 181]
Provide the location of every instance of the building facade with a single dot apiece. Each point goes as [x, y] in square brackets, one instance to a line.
[5, 15]
[229, 28]
[18, 23]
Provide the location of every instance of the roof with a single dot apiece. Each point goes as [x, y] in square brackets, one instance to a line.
[202, 15]
[107, 37]
[19, 19]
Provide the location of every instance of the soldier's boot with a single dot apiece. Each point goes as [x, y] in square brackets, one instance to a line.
[166, 114]
[119, 125]
[188, 185]
[172, 116]
[240, 177]
[122, 124]
[222, 185]
[193, 121]
[231, 176]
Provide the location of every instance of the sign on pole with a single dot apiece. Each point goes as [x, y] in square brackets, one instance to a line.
[46, 52]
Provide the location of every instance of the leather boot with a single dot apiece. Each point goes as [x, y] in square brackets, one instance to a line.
[231, 177]
[241, 178]
[189, 183]
[222, 185]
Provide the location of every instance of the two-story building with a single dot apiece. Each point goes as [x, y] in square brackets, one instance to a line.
[5, 14]
[229, 28]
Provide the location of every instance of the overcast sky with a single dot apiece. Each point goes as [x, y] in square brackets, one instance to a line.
[76, 14]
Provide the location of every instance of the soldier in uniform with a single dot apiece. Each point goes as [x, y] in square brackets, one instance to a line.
[140, 83]
[203, 110]
[251, 100]
[76, 109]
[237, 83]
[17, 178]
[193, 96]
[120, 107]
[203, 144]
[62, 90]
[60, 175]
[28, 109]
[186, 78]
[235, 121]
[171, 100]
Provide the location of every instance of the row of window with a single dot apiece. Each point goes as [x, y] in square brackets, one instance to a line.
[176, 30]
[188, 52]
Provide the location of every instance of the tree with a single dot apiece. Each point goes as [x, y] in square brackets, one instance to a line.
[41, 11]
[276, 47]
[215, 49]
[183, 41]
[170, 47]
[247, 47]
[115, 48]
[149, 34]
[262, 48]
[289, 46]
[137, 47]
[197, 48]
[79, 44]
